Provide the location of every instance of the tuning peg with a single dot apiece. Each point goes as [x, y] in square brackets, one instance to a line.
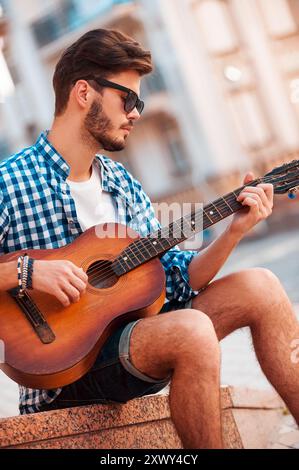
[292, 193]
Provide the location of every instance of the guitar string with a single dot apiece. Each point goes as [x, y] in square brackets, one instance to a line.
[139, 251]
[143, 242]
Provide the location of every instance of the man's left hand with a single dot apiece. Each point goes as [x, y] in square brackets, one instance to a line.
[258, 201]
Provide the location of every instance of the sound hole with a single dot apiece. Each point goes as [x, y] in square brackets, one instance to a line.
[100, 274]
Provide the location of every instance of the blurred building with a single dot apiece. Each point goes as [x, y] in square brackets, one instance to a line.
[224, 96]
[6, 84]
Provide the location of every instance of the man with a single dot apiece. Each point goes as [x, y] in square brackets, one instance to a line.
[51, 192]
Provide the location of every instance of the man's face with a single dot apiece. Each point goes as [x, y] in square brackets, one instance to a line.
[106, 121]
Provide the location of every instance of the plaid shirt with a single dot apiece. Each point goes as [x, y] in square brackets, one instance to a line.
[38, 212]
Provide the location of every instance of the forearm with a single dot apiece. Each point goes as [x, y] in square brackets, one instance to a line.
[204, 267]
[8, 275]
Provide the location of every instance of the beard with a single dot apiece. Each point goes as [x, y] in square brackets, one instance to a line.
[98, 126]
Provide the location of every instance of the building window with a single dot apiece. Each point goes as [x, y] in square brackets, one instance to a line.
[249, 119]
[180, 164]
[153, 83]
[69, 16]
[217, 26]
[278, 19]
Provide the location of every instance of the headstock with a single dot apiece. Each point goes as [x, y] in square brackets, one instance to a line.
[284, 178]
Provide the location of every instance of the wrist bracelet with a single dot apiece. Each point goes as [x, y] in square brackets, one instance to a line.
[30, 273]
[25, 272]
[19, 269]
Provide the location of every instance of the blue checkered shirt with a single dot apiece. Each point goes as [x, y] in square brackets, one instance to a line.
[38, 212]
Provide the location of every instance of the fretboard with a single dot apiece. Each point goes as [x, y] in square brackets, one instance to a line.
[157, 243]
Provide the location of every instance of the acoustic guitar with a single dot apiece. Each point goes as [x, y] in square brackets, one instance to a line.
[48, 345]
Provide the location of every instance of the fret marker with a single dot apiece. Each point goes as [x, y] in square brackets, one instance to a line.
[125, 258]
[211, 212]
[154, 243]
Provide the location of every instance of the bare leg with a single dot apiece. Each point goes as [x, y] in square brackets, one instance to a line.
[184, 342]
[256, 298]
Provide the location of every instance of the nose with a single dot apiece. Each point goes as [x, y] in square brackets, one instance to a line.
[133, 115]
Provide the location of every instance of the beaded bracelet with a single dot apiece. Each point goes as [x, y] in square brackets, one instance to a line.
[25, 272]
[19, 268]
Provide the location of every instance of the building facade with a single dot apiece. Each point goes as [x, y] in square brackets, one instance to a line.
[223, 97]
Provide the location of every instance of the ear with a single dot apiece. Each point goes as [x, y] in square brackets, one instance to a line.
[82, 93]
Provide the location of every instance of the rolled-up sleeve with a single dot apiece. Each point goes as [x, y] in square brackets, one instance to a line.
[175, 261]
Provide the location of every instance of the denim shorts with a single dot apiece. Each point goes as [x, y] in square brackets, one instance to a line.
[113, 378]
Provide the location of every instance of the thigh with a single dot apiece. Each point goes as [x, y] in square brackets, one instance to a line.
[106, 382]
[158, 342]
[227, 303]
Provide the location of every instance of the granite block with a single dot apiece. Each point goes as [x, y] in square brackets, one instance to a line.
[142, 423]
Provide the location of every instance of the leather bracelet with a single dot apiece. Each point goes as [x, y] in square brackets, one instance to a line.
[30, 273]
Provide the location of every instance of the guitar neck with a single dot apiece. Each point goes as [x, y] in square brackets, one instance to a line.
[157, 243]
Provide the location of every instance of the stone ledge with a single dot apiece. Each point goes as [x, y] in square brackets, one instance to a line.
[141, 423]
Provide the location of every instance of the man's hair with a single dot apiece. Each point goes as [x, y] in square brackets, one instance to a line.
[101, 53]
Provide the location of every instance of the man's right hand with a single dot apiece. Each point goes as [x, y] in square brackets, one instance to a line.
[63, 279]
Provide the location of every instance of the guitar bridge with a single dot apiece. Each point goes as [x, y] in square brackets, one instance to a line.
[34, 316]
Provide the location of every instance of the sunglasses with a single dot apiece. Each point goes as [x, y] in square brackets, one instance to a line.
[132, 100]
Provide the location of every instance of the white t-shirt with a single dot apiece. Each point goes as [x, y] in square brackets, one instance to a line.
[93, 205]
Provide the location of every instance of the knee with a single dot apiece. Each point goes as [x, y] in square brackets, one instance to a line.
[258, 284]
[261, 292]
[196, 336]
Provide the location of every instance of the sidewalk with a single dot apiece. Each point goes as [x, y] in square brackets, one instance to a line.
[287, 436]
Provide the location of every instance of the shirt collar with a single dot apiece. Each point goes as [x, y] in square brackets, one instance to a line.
[57, 162]
[107, 169]
[50, 154]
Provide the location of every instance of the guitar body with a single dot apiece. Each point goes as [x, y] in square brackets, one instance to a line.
[81, 329]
